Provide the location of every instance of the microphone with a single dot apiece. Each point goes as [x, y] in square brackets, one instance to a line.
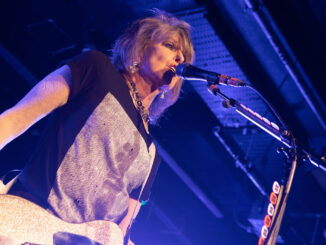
[190, 72]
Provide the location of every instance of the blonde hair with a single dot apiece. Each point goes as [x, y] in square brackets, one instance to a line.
[130, 47]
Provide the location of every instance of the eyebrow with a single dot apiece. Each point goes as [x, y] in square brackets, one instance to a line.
[178, 43]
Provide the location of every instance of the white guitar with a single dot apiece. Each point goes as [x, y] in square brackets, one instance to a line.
[23, 222]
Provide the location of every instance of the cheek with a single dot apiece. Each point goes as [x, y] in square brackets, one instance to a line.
[157, 60]
[159, 56]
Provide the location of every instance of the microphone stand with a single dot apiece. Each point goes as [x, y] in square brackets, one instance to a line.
[294, 151]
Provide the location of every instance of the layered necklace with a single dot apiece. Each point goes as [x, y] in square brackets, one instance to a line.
[138, 102]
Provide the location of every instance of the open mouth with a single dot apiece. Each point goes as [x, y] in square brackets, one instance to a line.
[168, 75]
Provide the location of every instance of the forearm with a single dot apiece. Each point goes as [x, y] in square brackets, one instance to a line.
[133, 209]
[50, 93]
[11, 126]
[14, 122]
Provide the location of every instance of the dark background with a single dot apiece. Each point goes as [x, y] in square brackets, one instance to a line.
[201, 194]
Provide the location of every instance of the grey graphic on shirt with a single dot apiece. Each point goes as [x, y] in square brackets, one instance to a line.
[108, 159]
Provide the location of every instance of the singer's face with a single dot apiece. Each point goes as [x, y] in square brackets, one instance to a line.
[160, 60]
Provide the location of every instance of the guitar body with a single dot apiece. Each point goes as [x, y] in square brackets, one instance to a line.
[23, 221]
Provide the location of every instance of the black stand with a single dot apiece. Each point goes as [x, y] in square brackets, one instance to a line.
[292, 161]
[293, 152]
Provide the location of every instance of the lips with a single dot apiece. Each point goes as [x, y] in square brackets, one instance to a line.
[173, 69]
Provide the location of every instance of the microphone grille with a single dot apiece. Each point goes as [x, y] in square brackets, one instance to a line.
[179, 69]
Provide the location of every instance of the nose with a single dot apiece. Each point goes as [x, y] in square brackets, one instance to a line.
[179, 58]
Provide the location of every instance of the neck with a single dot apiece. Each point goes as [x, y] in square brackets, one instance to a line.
[146, 91]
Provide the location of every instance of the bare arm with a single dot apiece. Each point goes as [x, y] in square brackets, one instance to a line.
[133, 210]
[50, 93]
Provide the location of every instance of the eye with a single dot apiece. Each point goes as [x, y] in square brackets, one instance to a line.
[169, 45]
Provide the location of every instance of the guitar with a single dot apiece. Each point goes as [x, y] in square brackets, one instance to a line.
[23, 222]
